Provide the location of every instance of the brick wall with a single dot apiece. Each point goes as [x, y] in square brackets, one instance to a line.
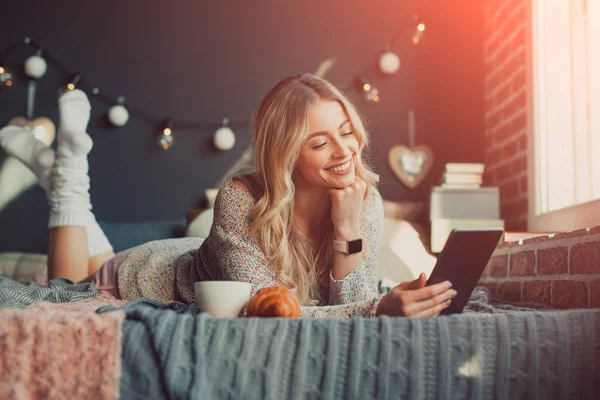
[562, 271]
[505, 106]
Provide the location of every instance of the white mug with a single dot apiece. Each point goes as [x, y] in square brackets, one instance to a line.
[222, 299]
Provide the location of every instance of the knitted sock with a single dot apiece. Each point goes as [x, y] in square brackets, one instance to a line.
[20, 143]
[69, 196]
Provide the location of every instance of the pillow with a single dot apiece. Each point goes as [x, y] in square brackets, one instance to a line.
[200, 226]
[126, 235]
[403, 255]
[24, 267]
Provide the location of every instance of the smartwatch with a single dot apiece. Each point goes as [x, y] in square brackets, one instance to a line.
[347, 247]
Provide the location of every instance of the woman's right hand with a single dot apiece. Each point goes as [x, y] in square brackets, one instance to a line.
[414, 299]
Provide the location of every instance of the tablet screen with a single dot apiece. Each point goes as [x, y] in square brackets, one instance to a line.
[462, 261]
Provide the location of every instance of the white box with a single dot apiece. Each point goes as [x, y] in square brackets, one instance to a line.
[441, 228]
[448, 203]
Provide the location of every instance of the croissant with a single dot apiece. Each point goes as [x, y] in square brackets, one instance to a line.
[274, 301]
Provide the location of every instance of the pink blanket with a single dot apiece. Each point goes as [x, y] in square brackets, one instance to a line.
[61, 351]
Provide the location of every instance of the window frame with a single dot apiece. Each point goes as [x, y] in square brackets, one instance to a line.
[582, 215]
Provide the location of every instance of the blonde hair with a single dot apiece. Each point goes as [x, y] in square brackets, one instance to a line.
[279, 130]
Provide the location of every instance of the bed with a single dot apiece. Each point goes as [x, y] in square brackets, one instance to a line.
[66, 341]
[62, 340]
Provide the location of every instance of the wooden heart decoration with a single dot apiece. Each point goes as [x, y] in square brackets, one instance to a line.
[42, 128]
[410, 164]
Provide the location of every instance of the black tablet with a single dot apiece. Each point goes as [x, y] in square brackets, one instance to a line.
[462, 261]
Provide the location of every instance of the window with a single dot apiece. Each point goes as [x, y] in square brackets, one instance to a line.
[564, 143]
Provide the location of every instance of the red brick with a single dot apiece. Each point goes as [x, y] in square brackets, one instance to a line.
[569, 294]
[537, 291]
[489, 177]
[492, 286]
[509, 149]
[492, 120]
[518, 31]
[513, 209]
[502, 94]
[509, 190]
[510, 291]
[553, 261]
[572, 234]
[492, 45]
[519, 102]
[521, 263]
[523, 185]
[493, 157]
[508, 110]
[520, 165]
[502, 54]
[498, 266]
[505, 132]
[504, 172]
[518, 61]
[585, 258]
[516, 84]
[519, 225]
[523, 142]
[537, 239]
[595, 293]
[519, 123]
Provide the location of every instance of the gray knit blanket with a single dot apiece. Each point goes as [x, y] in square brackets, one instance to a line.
[488, 352]
[491, 351]
[18, 295]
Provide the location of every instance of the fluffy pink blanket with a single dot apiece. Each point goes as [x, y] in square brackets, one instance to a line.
[61, 351]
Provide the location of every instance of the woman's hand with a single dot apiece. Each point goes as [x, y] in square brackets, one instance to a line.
[345, 209]
[414, 299]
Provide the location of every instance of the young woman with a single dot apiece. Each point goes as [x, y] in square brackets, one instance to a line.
[309, 216]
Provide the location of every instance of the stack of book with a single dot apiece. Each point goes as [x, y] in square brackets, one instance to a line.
[462, 202]
[463, 175]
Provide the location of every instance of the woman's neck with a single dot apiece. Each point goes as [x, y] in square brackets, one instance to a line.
[311, 209]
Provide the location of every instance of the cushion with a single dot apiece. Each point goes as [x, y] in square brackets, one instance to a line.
[200, 226]
[126, 235]
[403, 254]
[24, 267]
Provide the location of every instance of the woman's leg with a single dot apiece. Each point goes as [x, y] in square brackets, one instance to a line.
[77, 247]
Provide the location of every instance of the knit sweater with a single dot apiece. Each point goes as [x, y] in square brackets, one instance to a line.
[166, 270]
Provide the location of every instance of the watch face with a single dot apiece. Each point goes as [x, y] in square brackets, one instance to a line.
[354, 246]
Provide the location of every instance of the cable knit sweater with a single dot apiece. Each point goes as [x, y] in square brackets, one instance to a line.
[166, 270]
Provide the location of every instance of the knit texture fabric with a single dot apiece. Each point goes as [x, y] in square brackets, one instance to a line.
[18, 295]
[166, 270]
[173, 352]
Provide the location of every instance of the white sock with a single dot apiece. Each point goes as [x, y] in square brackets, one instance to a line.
[19, 142]
[69, 196]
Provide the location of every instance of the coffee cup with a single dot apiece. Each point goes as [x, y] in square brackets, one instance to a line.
[222, 299]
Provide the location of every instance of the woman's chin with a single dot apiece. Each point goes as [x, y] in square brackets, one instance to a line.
[343, 181]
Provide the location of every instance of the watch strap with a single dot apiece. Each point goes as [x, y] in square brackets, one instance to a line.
[340, 246]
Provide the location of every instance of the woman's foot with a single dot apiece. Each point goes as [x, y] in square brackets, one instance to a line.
[20, 143]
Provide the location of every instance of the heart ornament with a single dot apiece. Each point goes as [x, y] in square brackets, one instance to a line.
[410, 164]
[42, 128]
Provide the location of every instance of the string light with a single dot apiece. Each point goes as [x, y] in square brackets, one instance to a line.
[73, 81]
[6, 77]
[418, 34]
[224, 138]
[369, 92]
[118, 114]
[35, 66]
[165, 139]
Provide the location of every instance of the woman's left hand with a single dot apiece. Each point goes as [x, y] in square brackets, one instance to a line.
[345, 208]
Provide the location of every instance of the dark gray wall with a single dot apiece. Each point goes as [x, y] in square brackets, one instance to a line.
[201, 61]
